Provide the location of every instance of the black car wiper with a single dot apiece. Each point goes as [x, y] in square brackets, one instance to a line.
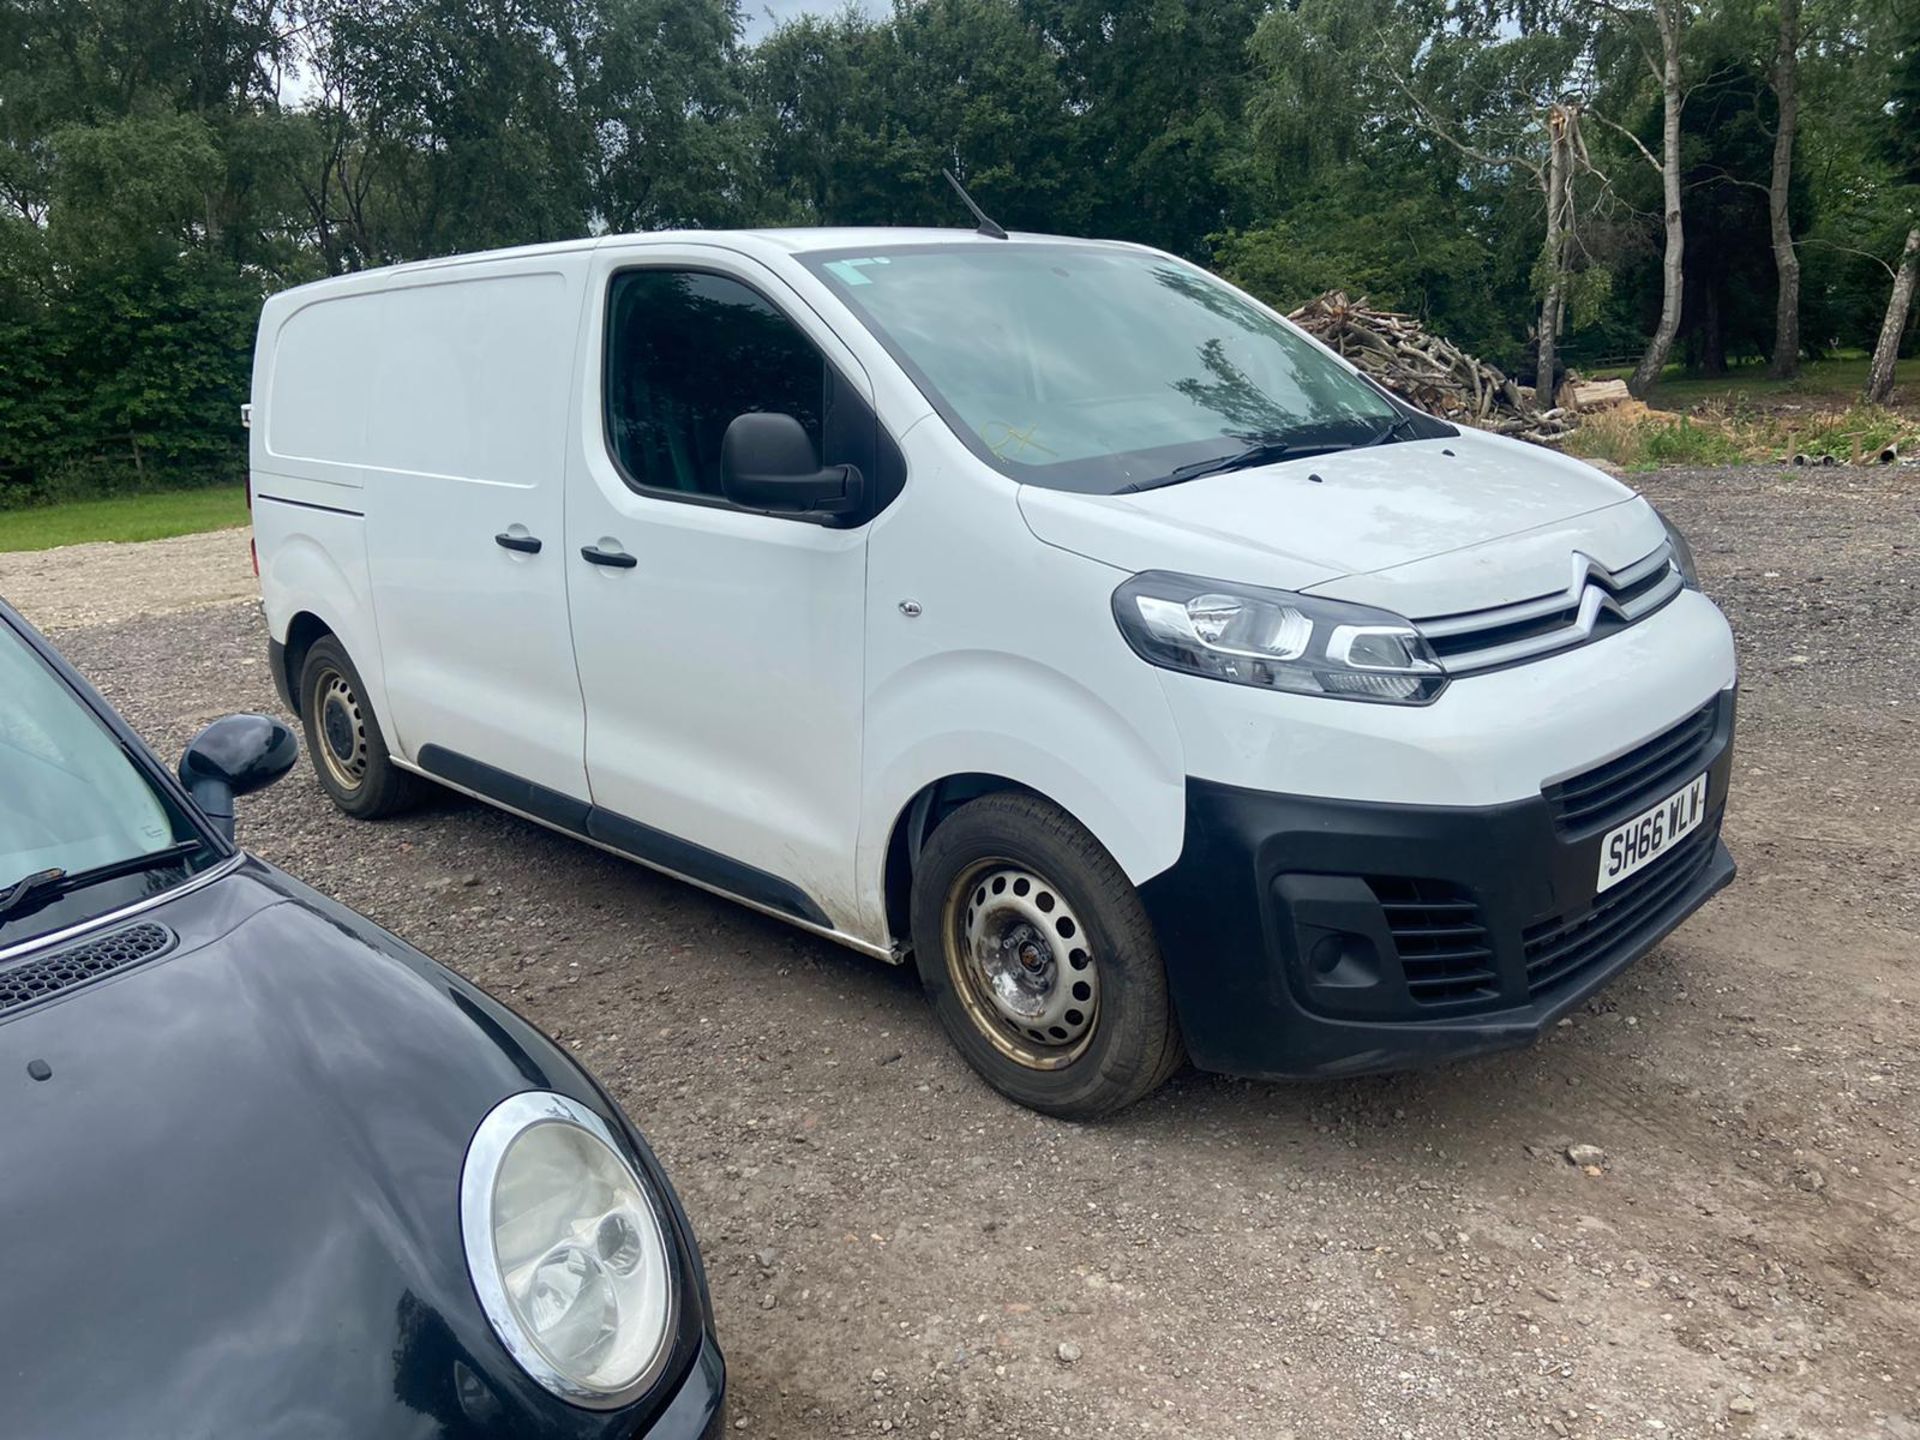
[30, 892]
[1264, 452]
[1390, 432]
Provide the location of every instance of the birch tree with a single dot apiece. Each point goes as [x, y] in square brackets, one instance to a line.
[1662, 57]
[1899, 304]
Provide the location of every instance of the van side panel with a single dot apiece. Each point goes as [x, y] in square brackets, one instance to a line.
[470, 372]
[314, 561]
[1011, 665]
[305, 445]
[312, 419]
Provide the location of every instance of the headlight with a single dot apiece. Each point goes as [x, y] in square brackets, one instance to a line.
[1276, 639]
[567, 1250]
[1682, 553]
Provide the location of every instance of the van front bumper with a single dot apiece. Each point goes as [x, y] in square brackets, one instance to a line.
[1310, 937]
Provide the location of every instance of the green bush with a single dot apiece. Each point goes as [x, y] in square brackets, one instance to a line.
[1685, 443]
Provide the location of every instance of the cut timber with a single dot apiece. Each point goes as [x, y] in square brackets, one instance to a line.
[1428, 372]
[1595, 394]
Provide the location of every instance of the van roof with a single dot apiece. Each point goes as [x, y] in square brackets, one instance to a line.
[793, 241]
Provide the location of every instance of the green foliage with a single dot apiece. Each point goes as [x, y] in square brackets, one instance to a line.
[1643, 444]
[1414, 254]
[164, 164]
[1686, 442]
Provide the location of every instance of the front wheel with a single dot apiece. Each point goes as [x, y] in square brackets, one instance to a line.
[1040, 961]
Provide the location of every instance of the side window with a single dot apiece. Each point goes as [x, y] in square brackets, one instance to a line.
[686, 353]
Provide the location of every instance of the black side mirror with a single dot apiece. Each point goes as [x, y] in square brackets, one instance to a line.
[768, 463]
[235, 755]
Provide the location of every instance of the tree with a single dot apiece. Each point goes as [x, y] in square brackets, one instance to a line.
[1157, 92]
[1501, 105]
[862, 116]
[1662, 58]
[1899, 303]
[1786, 258]
[1900, 147]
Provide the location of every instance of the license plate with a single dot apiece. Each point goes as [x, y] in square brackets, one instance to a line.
[1652, 833]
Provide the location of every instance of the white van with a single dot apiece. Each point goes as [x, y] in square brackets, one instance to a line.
[1045, 610]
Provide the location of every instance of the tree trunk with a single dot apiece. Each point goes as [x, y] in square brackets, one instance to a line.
[1713, 334]
[1559, 181]
[1647, 373]
[1786, 260]
[1880, 373]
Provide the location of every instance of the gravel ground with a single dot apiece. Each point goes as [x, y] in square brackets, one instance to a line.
[96, 584]
[894, 1249]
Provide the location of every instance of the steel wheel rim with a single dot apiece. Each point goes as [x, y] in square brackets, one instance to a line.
[1020, 961]
[340, 730]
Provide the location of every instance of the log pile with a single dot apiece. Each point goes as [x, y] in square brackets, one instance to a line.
[1427, 371]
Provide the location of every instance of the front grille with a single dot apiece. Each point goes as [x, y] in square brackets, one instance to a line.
[37, 979]
[1596, 602]
[1439, 937]
[1558, 949]
[1624, 786]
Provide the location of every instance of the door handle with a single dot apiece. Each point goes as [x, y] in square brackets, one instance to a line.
[618, 559]
[525, 544]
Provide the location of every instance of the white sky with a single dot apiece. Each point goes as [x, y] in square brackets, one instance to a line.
[762, 15]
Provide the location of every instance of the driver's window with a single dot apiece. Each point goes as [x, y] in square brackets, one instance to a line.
[687, 351]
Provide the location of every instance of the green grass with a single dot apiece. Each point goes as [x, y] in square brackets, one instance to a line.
[1744, 416]
[1837, 381]
[150, 516]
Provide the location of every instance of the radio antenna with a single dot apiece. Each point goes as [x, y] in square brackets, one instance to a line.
[987, 226]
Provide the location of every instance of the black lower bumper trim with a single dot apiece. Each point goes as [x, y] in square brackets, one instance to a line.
[1307, 937]
[698, 1408]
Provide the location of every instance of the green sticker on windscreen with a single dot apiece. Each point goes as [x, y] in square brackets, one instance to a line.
[849, 270]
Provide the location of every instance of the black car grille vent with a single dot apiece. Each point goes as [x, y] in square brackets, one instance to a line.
[36, 979]
[1645, 775]
[1558, 949]
[1438, 935]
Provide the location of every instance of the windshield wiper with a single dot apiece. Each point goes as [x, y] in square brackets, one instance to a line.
[1392, 430]
[1264, 452]
[30, 892]
[1261, 452]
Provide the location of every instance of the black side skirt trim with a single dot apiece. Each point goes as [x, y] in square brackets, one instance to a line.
[309, 505]
[629, 837]
[497, 784]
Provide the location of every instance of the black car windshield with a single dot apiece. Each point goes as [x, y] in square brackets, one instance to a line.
[74, 806]
[1096, 368]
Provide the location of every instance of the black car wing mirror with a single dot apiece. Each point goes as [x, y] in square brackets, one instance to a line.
[768, 463]
[235, 755]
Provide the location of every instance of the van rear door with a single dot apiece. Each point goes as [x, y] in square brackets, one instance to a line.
[469, 387]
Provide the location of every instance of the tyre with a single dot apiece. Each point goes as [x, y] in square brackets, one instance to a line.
[1039, 959]
[349, 755]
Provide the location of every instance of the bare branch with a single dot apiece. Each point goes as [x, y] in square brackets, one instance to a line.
[1433, 124]
[1720, 172]
[1637, 143]
[1891, 270]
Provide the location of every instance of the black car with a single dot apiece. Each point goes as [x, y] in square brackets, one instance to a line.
[267, 1170]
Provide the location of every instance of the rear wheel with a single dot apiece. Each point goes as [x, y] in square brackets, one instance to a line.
[349, 755]
[1040, 961]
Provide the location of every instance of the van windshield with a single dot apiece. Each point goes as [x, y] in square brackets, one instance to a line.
[83, 830]
[1097, 369]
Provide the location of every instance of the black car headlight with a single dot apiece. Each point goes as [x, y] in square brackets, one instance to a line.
[1682, 553]
[568, 1250]
[1276, 639]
